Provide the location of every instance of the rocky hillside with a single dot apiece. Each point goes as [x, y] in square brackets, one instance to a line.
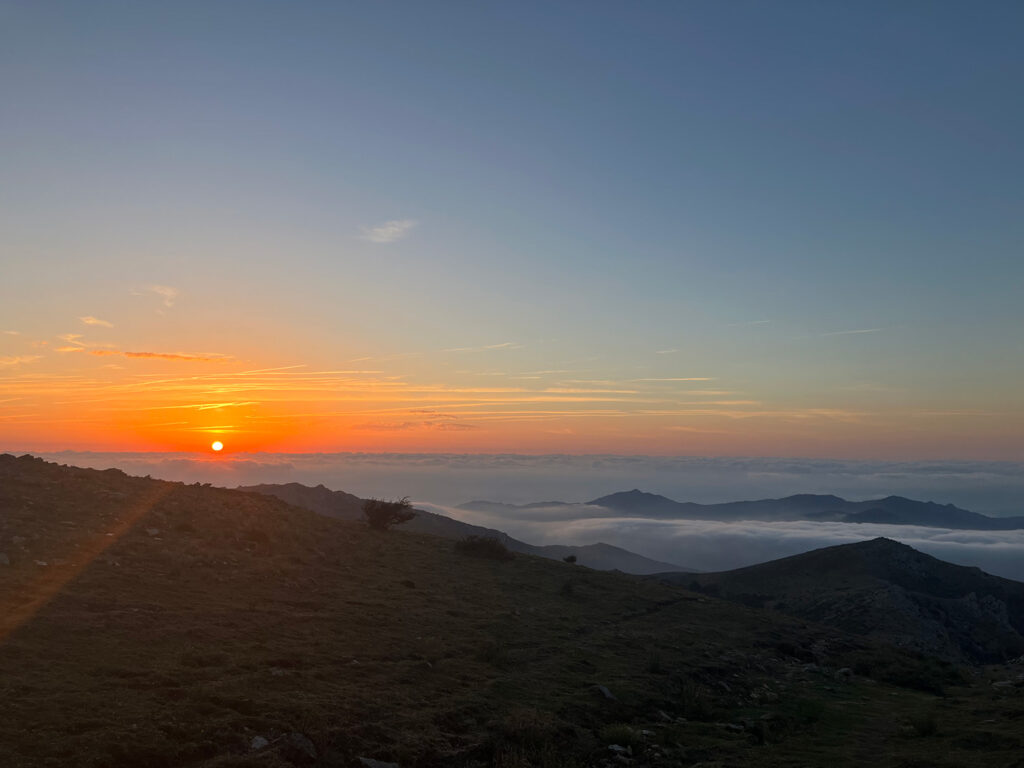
[888, 591]
[157, 625]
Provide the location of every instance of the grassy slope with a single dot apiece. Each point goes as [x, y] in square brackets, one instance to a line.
[242, 616]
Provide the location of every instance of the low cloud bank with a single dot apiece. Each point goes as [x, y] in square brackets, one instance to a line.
[708, 545]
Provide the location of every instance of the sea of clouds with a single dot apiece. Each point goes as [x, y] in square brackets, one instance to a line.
[707, 545]
[445, 480]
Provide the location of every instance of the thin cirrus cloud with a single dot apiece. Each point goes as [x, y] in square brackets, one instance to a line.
[855, 332]
[389, 231]
[90, 320]
[196, 358]
[486, 347]
[167, 293]
[19, 360]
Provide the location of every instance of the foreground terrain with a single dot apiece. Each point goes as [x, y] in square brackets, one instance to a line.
[145, 623]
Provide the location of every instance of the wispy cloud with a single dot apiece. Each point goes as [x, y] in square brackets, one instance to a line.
[13, 333]
[199, 358]
[748, 323]
[679, 378]
[486, 347]
[852, 333]
[389, 231]
[168, 294]
[665, 351]
[19, 359]
[90, 320]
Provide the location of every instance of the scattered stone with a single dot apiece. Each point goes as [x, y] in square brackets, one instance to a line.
[18, 540]
[41, 562]
[605, 692]
[663, 716]
[153, 531]
[409, 583]
[811, 668]
[277, 672]
[724, 686]
[845, 674]
[369, 762]
[298, 748]
[619, 749]
[1003, 684]
[258, 742]
[4, 559]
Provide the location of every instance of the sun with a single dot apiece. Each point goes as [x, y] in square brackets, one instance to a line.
[217, 445]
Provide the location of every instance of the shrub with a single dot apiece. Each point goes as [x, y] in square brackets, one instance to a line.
[381, 514]
[570, 559]
[485, 547]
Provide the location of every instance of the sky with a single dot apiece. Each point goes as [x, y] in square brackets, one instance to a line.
[663, 229]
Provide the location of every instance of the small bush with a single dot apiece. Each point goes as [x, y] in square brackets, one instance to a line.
[483, 546]
[924, 723]
[381, 514]
[570, 559]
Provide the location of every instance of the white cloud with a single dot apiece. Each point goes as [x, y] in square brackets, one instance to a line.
[389, 231]
[168, 294]
[90, 320]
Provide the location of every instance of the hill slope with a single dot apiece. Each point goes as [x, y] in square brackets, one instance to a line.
[888, 591]
[345, 506]
[154, 624]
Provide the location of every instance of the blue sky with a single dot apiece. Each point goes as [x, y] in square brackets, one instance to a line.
[815, 205]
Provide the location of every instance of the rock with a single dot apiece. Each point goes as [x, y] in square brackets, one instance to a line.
[663, 716]
[369, 762]
[1003, 684]
[298, 748]
[844, 674]
[41, 562]
[409, 583]
[4, 559]
[619, 749]
[258, 742]
[18, 540]
[605, 692]
[153, 531]
[277, 672]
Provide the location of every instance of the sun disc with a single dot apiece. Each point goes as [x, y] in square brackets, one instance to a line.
[217, 445]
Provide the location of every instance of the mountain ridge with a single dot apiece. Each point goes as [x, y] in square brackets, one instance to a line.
[892, 510]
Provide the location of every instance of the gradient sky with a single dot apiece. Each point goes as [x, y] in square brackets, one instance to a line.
[742, 228]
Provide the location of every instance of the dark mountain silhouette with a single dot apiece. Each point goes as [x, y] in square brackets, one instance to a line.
[345, 506]
[894, 510]
[888, 591]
